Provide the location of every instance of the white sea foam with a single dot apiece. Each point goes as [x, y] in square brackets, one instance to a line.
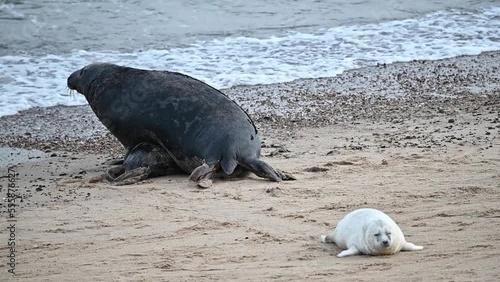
[27, 81]
[10, 11]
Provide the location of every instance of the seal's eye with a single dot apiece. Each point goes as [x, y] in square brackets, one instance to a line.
[378, 234]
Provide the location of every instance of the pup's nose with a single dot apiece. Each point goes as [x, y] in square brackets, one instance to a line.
[386, 243]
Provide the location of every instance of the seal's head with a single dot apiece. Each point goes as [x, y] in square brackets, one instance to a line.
[379, 238]
[83, 79]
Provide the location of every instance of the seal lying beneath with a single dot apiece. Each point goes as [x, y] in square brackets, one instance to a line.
[170, 123]
[369, 232]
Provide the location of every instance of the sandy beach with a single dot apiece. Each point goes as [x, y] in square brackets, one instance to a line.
[419, 140]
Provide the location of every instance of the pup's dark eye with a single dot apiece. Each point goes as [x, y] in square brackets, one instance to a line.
[378, 234]
[388, 233]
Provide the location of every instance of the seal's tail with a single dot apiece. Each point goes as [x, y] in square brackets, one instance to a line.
[326, 239]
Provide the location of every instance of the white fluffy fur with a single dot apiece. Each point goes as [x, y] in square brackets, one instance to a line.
[364, 231]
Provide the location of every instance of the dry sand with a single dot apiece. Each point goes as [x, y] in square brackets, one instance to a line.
[418, 140]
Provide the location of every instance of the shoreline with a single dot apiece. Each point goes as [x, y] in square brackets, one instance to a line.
[429, 161]
[391, 92]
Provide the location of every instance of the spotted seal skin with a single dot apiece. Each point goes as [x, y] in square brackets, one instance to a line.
[170, 122]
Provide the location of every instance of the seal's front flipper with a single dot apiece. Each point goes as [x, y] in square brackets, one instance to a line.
[203, 175]
[132, 176]
[411, 247]
[352, 251]
[114, 162]
[144, 161]
[119, 175]
[114, 172]
[264, 170]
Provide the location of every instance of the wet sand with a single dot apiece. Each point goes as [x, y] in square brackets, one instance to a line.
[418, 140]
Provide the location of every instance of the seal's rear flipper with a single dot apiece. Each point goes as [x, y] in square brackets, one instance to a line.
[411, 247]
[264, 170]
[285, 176]
[203, 175]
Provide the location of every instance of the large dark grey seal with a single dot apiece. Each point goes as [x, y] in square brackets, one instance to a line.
[169, 123]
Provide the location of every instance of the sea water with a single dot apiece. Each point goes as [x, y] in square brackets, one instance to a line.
[226, 43]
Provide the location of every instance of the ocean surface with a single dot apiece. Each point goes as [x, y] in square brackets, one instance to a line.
[224, 42]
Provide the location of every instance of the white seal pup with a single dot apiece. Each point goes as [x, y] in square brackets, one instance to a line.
[369, 232]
